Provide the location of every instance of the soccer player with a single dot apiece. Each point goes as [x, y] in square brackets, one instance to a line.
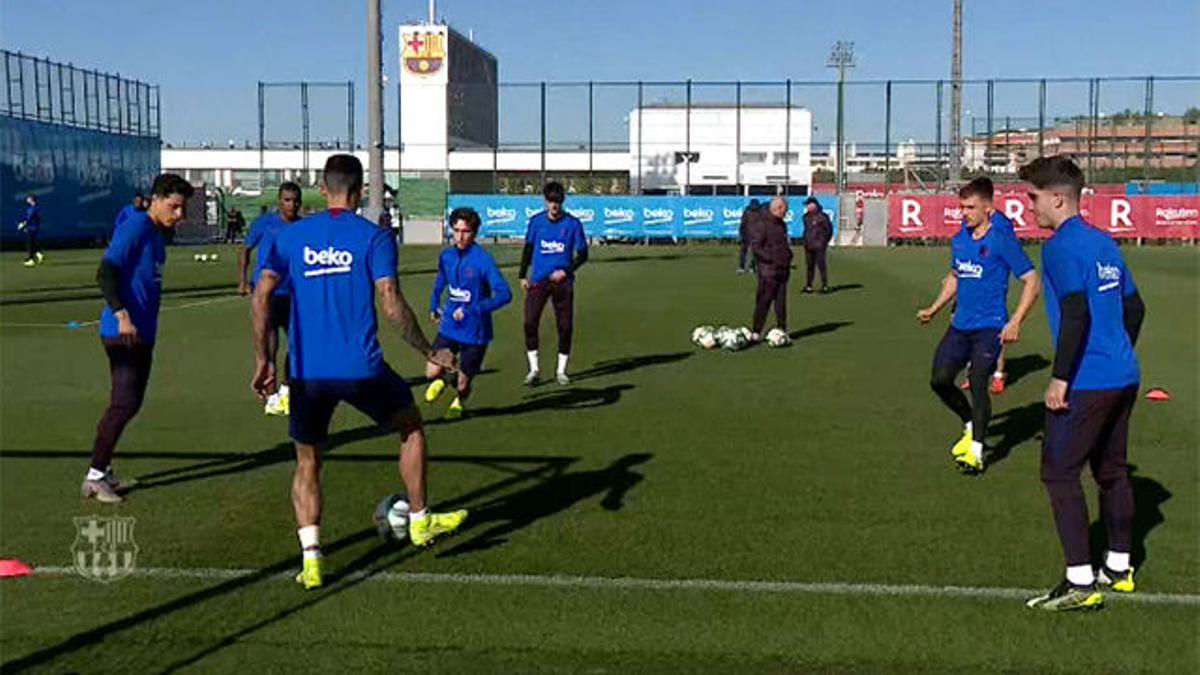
[31, 225]
[476, 290]
[1095, 315]
[130, 278]
[262, 233]
[138, 205]
[336, 263]
[773, 256]
[557, 247]
[982, 255]
[751, 212]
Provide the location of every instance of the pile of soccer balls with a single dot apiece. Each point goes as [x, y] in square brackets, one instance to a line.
[734, 339]
[206, 257]
[725, 337]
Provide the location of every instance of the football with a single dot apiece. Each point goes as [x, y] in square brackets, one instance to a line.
[703, 337]
[732, 339]
[391, 518]
[778, 338]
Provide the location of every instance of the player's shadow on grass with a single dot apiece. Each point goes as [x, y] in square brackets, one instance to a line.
[819, 329]
[360, 570]
[1014, 426]
[93, 293]
[624, 365]
[838, 288]
[574, 398]
[1148, 498]
[505, 515]
[1019, 367]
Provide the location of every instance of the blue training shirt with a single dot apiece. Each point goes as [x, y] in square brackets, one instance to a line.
[1079, 257]
[476, 286]
[139, 250]
[332, 260]
[262, 232]
[982, 267]
[554, 243]
[33, 218]
[124, 214]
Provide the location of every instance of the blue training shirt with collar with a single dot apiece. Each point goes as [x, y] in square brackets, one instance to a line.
[139, 251]
[554, 244]
[33, 218]
[1080, 258]
[262, 232]
[124, 214]
[982, 267]
[475, 285]
[331, 260]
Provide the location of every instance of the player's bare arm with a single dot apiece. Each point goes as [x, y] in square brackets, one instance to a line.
[263, 383]
[949, 290]
[1030, 290]
[400, 314]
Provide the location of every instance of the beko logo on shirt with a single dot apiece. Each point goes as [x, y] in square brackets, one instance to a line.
[968, 270]
[1109, 275]
[550, 247]
[331, 261]
[460, 294]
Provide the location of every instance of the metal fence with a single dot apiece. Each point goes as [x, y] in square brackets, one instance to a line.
[56, 93]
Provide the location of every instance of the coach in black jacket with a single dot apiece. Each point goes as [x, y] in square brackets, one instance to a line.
[818, 230]
[773, 254]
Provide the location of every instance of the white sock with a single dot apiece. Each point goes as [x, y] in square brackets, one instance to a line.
[1081, 575]
[310, 541]
[968, 428]
[1117, 562]
[283, 390]
[533, 360]
[977, 450]
[418, 516]
[95, 474]
[999, 374]
[562, 363]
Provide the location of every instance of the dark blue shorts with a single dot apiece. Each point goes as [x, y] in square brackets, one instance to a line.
[981, 348]
[312, 403]
[470, 357]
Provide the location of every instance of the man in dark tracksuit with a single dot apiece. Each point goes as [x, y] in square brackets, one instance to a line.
[818, 231]
[752, 211]
[1095, 314]
[773, 254]
[31, 224]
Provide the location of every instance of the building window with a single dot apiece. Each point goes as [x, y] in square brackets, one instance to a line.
[782, 158]
[681, 157]
[754, 158]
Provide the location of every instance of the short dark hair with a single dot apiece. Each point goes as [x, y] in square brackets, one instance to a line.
[554, 192]
[467, 215]
[343, 174]
[979, 187]
[289, 186]
[31, 196]
[167, 184]
[1056, 171]
[138, 195]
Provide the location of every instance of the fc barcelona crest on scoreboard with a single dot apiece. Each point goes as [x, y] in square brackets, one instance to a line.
[424, 52]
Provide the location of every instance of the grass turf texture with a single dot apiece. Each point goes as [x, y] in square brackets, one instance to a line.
[824, 462]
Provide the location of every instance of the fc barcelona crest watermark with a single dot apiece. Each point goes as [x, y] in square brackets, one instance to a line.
[104, 549]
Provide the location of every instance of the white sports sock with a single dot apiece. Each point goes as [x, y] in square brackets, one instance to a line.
[1081, 575]
[283, 390]
[533, 360]
[310, 541]
[999, 374]
[977, 450]
[95, 474]
[418, 516]
[968, 428]
[562, 363]
[1117, 562]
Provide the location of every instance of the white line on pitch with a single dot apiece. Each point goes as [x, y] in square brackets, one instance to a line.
[633, 583]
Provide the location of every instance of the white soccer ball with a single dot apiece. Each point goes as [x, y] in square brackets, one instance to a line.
[732, 339]
[746, 333]
[703, 337]
[214, 257]
[391, 518]
[778, 338]
[196, 257]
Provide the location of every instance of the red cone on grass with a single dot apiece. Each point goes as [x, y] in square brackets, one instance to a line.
[11, 567]
[1157, 394]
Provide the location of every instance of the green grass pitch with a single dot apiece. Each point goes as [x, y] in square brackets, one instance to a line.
[611, 520]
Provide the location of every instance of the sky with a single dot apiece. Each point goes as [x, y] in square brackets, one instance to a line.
[208, 56]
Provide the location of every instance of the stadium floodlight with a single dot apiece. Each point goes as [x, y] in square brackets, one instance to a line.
[841, 56]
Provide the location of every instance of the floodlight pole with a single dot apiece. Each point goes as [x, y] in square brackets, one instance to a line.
[956, 98]
[841, 56]
[374, 110]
